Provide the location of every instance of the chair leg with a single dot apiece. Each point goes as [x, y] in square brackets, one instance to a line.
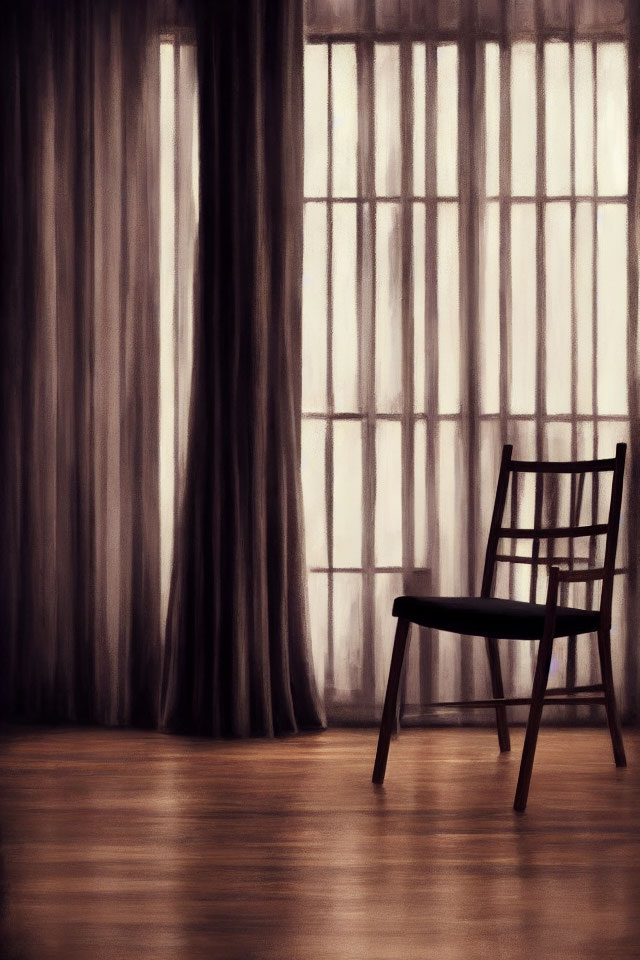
[533, 723]
[389, 711]
[498, 691]
[604, 649]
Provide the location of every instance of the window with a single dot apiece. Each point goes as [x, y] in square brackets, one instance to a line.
[464, 285]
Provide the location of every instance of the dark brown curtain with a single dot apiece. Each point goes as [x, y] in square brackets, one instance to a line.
[237, 656]
[79, 595]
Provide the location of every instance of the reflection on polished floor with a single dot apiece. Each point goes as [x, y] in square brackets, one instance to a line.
[124, 845]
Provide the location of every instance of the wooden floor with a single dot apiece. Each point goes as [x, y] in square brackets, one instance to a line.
[122, 845]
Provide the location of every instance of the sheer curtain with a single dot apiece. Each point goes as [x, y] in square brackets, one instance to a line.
[470, 279]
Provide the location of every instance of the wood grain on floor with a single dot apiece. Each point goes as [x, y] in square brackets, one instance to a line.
[121, 845]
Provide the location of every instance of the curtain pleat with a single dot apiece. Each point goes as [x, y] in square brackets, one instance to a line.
[238, 660]
[79, 522]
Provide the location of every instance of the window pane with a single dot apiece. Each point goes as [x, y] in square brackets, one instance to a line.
[448, 310]
[345, 323]
[419, 129]
[389, 14]
[318, 620]
[313, 490]
[333, 16]
[344, 86]
[347, 634]
[558, 307]
[584, 305]
[523, 119]
[388, 586]
[388, 551]
[612, 308]
[583, 71]
[447, 121]
[388, 344]
[314, 309]
[557, 118]
[612, 119]
[490, 454]
[490, 310]
[452, 495]
[523, 315]
[492, 117]
[521, 14]
[419, 357]
[347, 494]
[387, 119]
[315, 120]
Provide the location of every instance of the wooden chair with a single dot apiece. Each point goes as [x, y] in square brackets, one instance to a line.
[494, 618]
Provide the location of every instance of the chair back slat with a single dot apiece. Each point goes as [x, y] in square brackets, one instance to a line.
[552, 533]
[549, 527]
[562, 466]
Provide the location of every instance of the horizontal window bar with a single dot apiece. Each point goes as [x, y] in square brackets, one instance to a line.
[455, 36]
[489, 417]
[409, 569]
[454, 198]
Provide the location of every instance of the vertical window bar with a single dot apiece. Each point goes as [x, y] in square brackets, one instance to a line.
[369, 665]
[330, 669]
[406, 185]
[633, 525]
[571, 643]
[406, 226]
[541, 373]
[505, 228]
[594, 289]
[594, 328]
[429, 651]
[504, 188]
[471, 181]
[177, 179]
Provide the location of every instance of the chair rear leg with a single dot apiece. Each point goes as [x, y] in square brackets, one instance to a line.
[498, 691]
[533, 723]
[615, 729]
[390, 700]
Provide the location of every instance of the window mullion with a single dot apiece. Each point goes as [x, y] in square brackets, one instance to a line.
[471, 169]
[541, 384]
[406, 227]
[429, 651]
[367, 298]
[329, 471]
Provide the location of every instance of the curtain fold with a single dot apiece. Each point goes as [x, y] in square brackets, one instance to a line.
[79, 601]
[237, 657]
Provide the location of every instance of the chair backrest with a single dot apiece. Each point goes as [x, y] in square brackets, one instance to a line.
[577, 471]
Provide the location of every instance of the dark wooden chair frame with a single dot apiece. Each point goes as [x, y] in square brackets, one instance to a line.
[602, 693]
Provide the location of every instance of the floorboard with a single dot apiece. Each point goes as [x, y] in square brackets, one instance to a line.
[119, 845]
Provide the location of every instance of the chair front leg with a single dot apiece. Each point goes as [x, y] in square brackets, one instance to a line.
[390, 700]
[498, 691]
[604, 649]
[533, 723]
[541, 676]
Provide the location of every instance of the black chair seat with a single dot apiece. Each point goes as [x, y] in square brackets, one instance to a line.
[492, 617]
